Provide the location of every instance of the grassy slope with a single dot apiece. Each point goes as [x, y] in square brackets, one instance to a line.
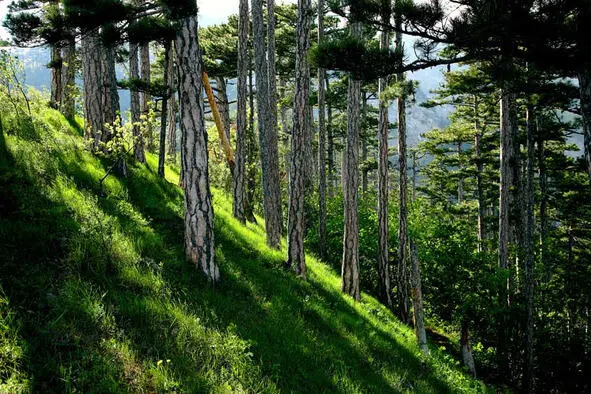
[96, 296]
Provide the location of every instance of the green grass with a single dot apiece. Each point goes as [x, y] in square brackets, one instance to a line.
[97, 297]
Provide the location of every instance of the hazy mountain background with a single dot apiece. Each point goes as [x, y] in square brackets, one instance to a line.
[419, 119]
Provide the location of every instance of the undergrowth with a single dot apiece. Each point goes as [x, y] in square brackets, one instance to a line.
[97, 296]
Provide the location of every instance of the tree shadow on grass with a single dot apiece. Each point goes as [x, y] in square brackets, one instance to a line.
[302, 332]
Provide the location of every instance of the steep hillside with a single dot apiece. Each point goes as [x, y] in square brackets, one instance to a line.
[96, 296]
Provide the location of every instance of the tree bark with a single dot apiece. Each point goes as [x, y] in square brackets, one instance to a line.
[321, 141]
[402, 271]
[238, 189]
[56, 76]
[528, 376]
[146, 98]
[68, 104]
[134, 73]
[296, 257]
[481, 235]
[350, 174]
[164, 111]
[383, 167]
[330, 144]
[199, 231]
[466, 349]
[417, 300]
[584, 77]
[171, 71]
[543, 176]
[251, 155]
[507, 202]
[267, 134]
[110, 95]
[92, 76]
[460, 178]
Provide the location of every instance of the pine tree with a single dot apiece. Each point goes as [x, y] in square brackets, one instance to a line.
[199, 232]
[296, 258]
[239, 196]
[267, 133]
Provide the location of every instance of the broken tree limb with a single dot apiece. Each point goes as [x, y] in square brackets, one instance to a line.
[218, 122]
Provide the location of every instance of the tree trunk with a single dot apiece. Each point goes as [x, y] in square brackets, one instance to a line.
[199, 234]
[223, 104]
[146, 97]
[330, 144]
[238, 178]
[383, 167]
[402, 272]
[321, 140]
[267, 134]
[285, 129]
[110, 104]
[508, 162]
[479, 184]
[417, 300]
[164, 111]
[251, 155]
[543, 176]
[92, 76]
[584, 77]
[68, 104]
[350, 174]
[460, 178]
[466, 349]
[528, 376]
[172, 106]
[56, 76]
[134, 73]
[296, 258]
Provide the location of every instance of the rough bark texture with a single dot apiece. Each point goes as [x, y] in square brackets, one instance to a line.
[350, 180]
[92, 76]
[285, 128]
[271, 53]
[110, 95]
[296, 258]
[383, 166]
[417, 300]
[402, 268]
[56, 77]
[507, 212]
[164, 112]
[330, 145]
[172, 77]
[528, 376]
[585, 93]
[466, 349]
[68, 104]
[134, 73]
[199, 234]
[239, 176]
[267, 134]
[145, 97]
[543, 176]
[251, 153]
[460, 177]
[479, 183]
[321, 140]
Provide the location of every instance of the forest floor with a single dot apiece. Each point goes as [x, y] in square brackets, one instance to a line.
[96, 296]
